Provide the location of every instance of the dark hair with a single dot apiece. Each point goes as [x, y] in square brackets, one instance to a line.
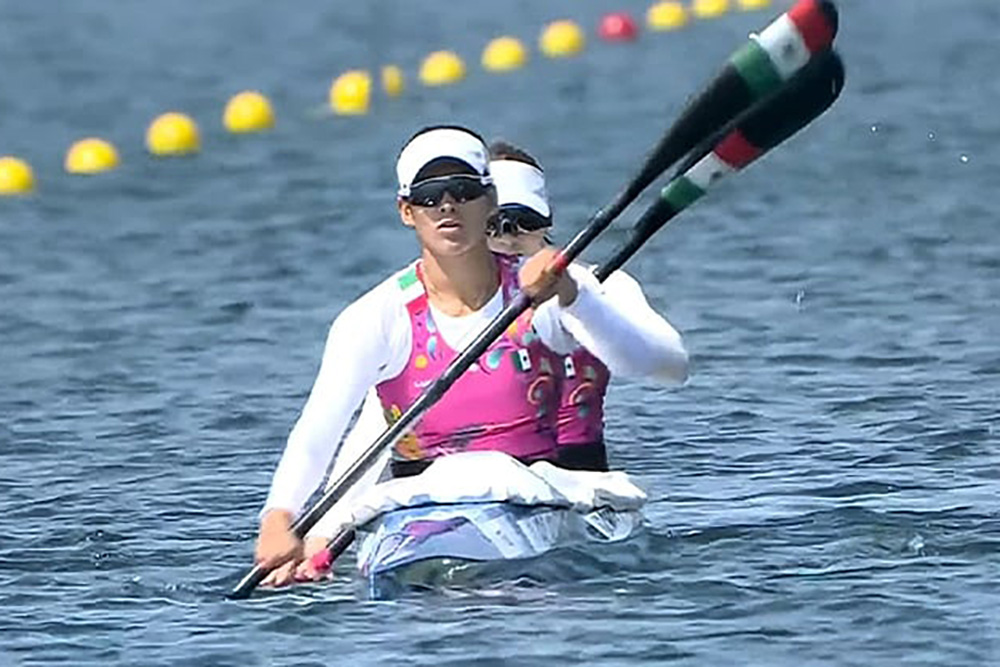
[504, 150]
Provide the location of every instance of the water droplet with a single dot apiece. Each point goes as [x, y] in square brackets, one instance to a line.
[964, 158]
[916, 545]
[798, 298]
[874, 129]
[931, 136]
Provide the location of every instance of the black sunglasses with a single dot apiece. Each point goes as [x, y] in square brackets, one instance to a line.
[512, 219]
[461, 188]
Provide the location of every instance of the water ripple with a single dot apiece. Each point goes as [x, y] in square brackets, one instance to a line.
[823, 490]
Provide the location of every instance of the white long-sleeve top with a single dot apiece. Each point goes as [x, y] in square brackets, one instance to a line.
[370, 342]
[621, 292]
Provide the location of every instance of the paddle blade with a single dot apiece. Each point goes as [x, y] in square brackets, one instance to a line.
[753, 72]
[753, 133]
[763, 126]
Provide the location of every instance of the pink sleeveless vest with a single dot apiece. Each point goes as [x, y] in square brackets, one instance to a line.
[507, 401]
[581, 409]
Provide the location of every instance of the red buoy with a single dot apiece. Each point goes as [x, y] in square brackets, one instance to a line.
[617, 27]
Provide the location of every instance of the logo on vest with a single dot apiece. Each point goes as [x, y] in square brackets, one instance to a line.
[522, 360]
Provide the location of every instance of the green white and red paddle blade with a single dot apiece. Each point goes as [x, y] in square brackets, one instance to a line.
[753, 72]
[757, 130]
[765, 125]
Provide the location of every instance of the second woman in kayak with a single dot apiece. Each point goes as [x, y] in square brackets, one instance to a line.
[521, 227]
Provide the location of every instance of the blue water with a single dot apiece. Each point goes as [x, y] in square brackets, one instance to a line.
[824, 491]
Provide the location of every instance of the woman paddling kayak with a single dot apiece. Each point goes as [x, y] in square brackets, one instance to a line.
[521, 227]
[415, 321]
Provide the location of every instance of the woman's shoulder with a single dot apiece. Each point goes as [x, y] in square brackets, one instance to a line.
[382, 305]
[393, 289]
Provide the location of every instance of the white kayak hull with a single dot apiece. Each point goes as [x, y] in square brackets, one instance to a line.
[480, 532]
[487, 507]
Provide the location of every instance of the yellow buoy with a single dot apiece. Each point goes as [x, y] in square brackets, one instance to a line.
[350, 94]
[504, 54]
[392, 80]
[248, 111]
[442, 68]
[173, 133]
[561, 39]
[91, 156]
[754, 4]
[667, 15]
[709, 9]
[16, 177]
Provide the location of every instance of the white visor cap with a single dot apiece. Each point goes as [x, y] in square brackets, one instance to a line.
[442, 142]
[520, 184]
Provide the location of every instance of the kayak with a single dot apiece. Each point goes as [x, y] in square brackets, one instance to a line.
[484, 507]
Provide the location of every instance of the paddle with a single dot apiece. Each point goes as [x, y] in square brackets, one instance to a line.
[753, 72]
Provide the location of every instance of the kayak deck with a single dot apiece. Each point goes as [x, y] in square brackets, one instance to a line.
[487, 507]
